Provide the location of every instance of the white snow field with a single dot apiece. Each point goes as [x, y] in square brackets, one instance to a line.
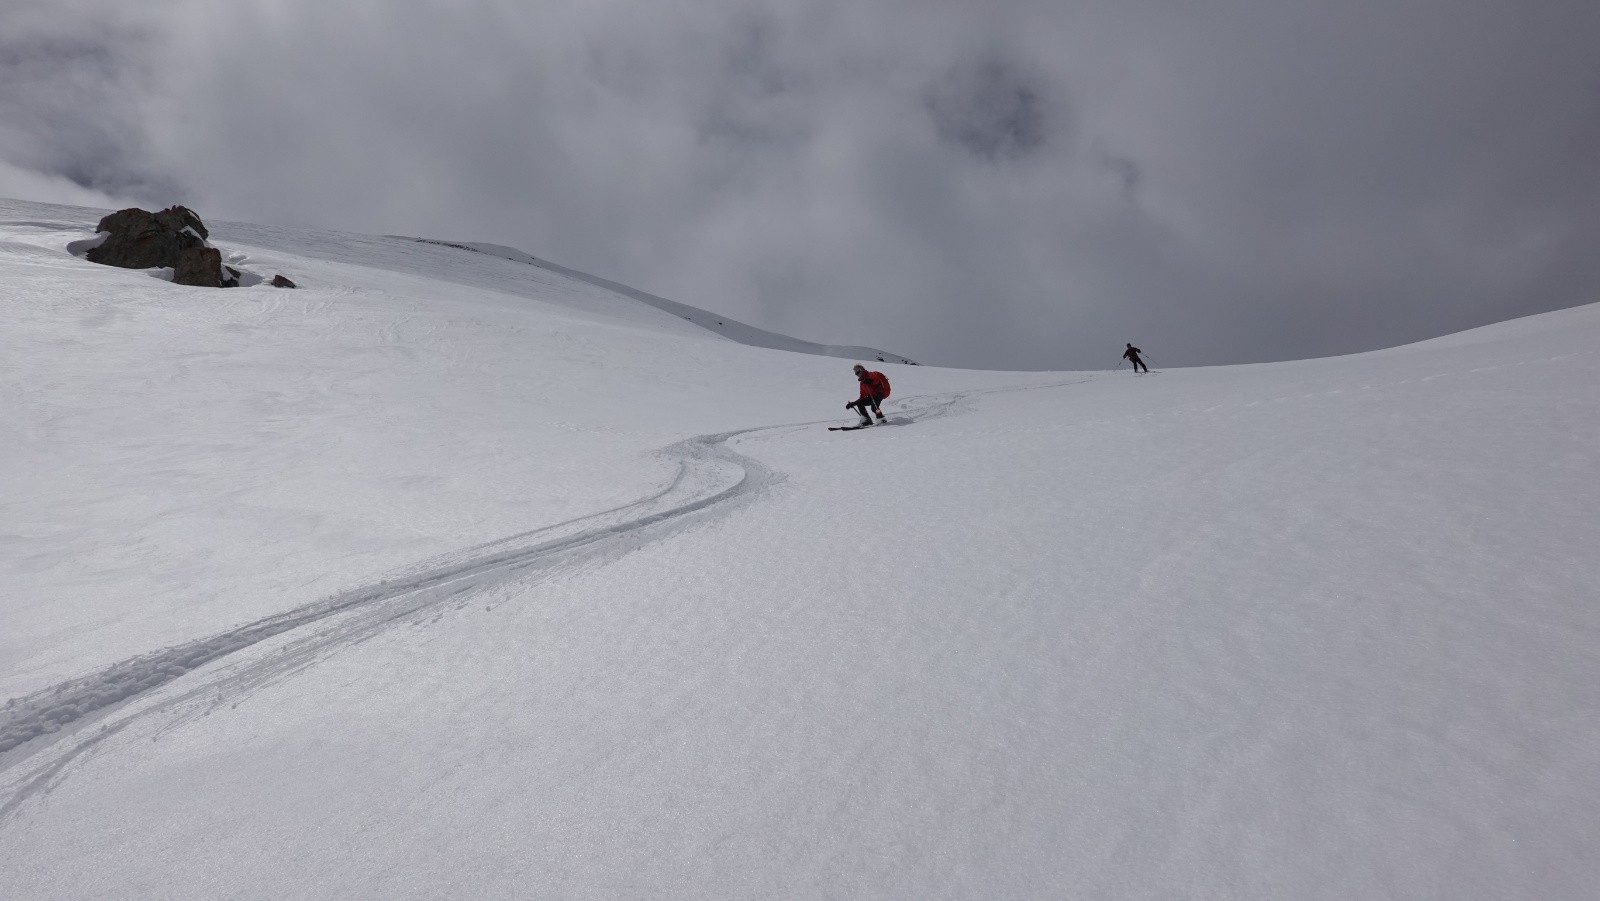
[449, 576]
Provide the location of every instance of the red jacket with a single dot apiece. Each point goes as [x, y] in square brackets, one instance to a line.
[874, 385]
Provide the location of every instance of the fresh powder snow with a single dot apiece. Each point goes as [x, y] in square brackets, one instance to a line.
[452, 573]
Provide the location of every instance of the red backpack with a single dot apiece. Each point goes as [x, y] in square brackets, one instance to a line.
[879, 384]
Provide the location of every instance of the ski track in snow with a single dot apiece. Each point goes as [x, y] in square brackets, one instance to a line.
[710, 474]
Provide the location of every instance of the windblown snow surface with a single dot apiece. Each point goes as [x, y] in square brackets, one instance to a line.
[445, 575]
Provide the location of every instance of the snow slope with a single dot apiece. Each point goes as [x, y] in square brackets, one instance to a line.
[447, 575]
[711, 322]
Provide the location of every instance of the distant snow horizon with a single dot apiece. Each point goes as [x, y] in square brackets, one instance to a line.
[719, 324]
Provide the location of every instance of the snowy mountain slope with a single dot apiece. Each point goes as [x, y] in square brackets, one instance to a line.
[711, 322]
[237, 455]
[1314, 630]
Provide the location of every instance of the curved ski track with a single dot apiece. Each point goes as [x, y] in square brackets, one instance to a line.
[709, 475]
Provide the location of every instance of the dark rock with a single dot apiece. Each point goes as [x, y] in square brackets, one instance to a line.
[199, 266]
[145, 240]
[230, 277]
[279, 281]
[178, 218]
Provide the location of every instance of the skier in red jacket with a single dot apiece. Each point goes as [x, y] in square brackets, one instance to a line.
[874, 390]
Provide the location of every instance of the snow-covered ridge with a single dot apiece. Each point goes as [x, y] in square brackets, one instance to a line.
[712, 322]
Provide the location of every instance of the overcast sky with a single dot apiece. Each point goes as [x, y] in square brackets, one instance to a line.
[1005, 183]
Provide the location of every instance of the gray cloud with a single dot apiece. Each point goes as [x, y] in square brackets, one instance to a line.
[991, 108]
[1017, 183]
[71, 78]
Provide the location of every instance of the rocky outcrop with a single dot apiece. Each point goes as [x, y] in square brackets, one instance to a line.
[279, 281]
[143, 240]
[174, 237]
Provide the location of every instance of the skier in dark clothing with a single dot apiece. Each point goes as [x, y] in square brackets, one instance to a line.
[1132, 354]
[874, 390]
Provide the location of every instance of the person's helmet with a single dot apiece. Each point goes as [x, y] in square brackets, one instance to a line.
[859, 368]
